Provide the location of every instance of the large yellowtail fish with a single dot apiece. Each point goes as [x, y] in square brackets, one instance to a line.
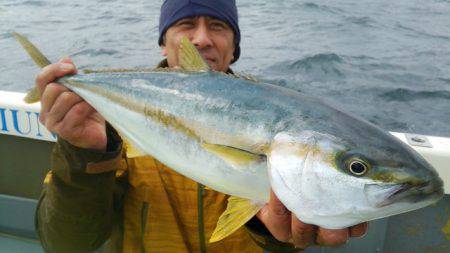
[243, 137]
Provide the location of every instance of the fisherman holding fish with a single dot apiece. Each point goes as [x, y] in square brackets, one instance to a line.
[98, 191]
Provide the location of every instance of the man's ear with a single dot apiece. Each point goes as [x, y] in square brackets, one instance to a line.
[164, 51]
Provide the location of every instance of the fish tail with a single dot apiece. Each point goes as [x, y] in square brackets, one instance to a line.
[33, 95]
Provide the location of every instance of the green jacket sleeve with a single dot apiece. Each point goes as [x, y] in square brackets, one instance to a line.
[259, 233]
[76, 210]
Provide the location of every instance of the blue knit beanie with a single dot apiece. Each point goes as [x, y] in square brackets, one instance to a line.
[225, 10]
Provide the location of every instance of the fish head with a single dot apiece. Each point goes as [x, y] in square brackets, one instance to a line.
[337, 182]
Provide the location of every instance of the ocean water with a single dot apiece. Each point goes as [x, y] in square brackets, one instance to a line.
[386, 61]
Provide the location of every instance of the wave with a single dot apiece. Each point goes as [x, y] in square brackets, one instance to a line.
[422, 33]
[362, 21]
[96, 52]
[317, 60]
[402, 95]
[33, 3]
[311, 5]
[5, 35]
[320, 64]
[320, 7]
[130, 20]
[445, 80]
[386, 122]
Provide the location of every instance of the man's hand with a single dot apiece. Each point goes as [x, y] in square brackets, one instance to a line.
[65, 113]
[286, 227]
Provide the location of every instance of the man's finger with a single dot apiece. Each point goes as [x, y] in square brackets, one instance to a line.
[48, 98]
[332, 237]
[51, 72]
[63, 104]
[276, 207]
[75, 118]
[359, 230]
[303, 235]
[78, 114]
[276, 218]
[66, 60]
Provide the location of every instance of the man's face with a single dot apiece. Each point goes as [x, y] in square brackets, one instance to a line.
[213, 38]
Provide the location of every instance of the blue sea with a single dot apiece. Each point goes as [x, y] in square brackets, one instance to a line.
[386, 61]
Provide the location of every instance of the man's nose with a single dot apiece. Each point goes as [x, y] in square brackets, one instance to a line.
[201, 37]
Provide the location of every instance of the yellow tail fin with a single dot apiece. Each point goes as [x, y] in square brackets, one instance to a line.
[40, 60]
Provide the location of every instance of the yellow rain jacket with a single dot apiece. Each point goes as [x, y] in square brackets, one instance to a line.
[113, 203]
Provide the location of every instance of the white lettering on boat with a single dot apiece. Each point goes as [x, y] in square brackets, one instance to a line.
[24, 123]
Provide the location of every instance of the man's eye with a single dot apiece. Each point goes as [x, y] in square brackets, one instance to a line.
[217, 26]
[186, 23]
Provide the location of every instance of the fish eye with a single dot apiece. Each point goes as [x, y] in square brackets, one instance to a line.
[358, 167]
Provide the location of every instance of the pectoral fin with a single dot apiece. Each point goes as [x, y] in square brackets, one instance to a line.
[238, 212]
[233, 156]
[189, 57]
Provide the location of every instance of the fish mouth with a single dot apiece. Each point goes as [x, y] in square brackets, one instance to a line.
[430, 191]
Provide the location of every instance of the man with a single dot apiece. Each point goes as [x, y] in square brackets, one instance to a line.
[97, 190]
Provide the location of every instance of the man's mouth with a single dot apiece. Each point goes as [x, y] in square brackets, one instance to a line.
[208, 58]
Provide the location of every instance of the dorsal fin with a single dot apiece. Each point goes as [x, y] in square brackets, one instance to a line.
[189, 57]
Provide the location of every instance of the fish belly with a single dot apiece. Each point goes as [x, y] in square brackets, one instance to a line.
[180, 152]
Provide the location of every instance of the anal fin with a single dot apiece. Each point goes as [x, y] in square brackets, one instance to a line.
[238, 212]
